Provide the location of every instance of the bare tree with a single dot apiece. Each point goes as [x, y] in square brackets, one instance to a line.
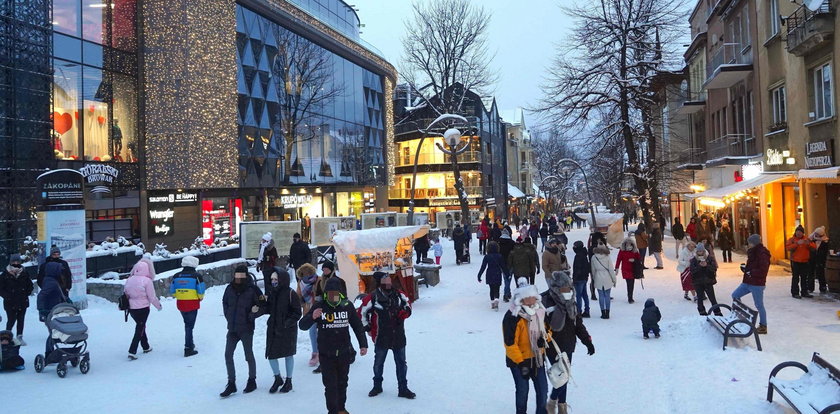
[445, 53]
[617, 47]
[305, 83]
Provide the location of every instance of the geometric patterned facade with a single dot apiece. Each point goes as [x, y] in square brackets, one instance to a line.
[338, 141]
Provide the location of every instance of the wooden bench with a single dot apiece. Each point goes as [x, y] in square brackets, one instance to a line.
[801, 393]
[739, 323]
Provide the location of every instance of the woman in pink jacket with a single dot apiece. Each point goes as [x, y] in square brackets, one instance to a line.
[627, 256]
[141, 295]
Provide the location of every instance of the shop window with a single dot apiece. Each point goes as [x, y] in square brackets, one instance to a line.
[779, 105]
[93, 20]
[67, 116]
[67, 17]
[109, 113]
[823, 104]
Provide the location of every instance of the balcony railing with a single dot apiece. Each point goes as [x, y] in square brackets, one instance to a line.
[691, 159]
[730, 145]
[421, 193]
[809, 29]
[691, 102]
[729, 64]
[436, 157]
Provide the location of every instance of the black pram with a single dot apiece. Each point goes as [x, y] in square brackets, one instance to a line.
[66, 342]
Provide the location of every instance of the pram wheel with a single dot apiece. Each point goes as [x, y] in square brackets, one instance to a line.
[74, 362]
[39, 363]
[61, 370]
[84, 366]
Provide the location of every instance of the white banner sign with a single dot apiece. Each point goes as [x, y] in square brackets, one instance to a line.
[66, 230]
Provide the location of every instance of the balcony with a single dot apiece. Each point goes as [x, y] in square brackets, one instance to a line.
[424, 193]
[808, 30]
[728, 65]
[692, 102]
[691, 159]
[436, 157]
[730, 149]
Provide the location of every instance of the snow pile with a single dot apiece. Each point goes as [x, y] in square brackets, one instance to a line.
[817, 388]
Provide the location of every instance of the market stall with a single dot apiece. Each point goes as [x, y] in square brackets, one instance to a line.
[388, 249]
[608, 223]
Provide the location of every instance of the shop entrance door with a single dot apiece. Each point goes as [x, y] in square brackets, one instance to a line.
[790, 210]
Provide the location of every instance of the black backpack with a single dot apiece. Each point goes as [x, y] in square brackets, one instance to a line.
[122, 304]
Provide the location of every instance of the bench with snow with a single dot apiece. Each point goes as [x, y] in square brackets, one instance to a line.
[817, 391]
[739, 323]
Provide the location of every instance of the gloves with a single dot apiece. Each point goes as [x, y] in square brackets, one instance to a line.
[403, 314]
[524, 370]
[590, 348]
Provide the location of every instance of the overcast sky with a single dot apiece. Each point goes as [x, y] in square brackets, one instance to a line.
[523, 33]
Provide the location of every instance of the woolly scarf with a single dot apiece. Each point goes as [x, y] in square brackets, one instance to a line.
[535, 315]
[14, 271]
[563, 309]
[264, 245]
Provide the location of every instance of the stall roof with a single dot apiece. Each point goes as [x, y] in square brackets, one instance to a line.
[514, 191]
[604, 219]
[764, 178]
[375, 240]
[829, 173]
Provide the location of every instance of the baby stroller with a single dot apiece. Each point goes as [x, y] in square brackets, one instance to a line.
[465, 255]
[66, 342]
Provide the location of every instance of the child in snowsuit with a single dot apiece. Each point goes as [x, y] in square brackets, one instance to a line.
[650, 318]
[10, 358]
[437, 248]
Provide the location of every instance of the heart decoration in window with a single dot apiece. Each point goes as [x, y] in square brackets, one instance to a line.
[62, 122]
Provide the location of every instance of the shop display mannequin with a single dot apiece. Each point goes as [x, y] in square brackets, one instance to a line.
[115, 141]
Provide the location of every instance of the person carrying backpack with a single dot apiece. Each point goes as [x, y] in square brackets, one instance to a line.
[188, 290]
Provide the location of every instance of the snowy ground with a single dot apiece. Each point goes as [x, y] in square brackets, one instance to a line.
[455, 355]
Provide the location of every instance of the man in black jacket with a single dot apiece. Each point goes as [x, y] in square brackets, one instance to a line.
[383, 313]
[299, 253]
[334, 316]
[66, 280]
[241, 304]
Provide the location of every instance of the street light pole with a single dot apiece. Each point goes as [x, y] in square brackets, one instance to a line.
[452, 137]
[586, 182]
[410, 219]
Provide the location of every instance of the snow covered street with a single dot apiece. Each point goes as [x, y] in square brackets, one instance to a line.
[455, 356]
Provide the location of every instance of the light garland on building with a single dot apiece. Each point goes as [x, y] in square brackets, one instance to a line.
[389, 130]
[191, 106]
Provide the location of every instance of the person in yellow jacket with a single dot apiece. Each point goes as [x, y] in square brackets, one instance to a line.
[525, 334]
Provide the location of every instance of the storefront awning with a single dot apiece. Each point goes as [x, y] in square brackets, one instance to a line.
[719, 193]
[514, 191]
[824, 173]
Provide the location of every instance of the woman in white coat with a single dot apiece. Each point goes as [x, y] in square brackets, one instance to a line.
[683, 267]
[603, 277]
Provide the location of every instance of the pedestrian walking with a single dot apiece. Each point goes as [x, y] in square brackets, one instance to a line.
[335, 316]
[534, 231]
[524, 330]
[493, 263]
[554, 259]
[627, 257]
[267, 258]
[299, 253]
[52, 292]
[800, 248]
[140, 290]
[684, 270]
[580, 275]
[307, 278]
[818, 260]
[283, 306]
[566, 327]
[603, 279]
[483, 234]
[691, 229]
[524, 262]
[650, 319]
[544, 234]
[755, 278]
[496, 231]
[506, 246]
[678, 232]
[437, 249]
[383, 314]
[595, 238]
[65, 277]
[704, 277]
[188, 289]
[704, 231]
[421, 246]
[655, 244]
[459, 238]
[241, 305]
[15, 288]
[642, 240]
[726, 240]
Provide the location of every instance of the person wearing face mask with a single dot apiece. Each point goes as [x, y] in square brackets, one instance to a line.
[241, 304]
[334, 316]
[566, 326]
[267, 257]
[524, 332]
[383, 314]
[704, 277]
[284, 309]
[15, 288]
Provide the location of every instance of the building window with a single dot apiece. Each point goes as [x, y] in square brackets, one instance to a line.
[774, 18]
[823, 102]
[779, 105]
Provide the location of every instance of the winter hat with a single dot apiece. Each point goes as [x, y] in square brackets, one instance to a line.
[560, 279]
[241, 269]
[650, 302]
[526, 290]
[578, 245]
[820, 231]
[305, 271]
[267, 236]
[379, 275]
[55, 250]
[754, 240]
[190, 261]
[296, 236]
[800, 228]
[333, 285]
[141, 268]
[700, 250]
[15, 258]
[505, 234]
[328, 265]
[526, 240]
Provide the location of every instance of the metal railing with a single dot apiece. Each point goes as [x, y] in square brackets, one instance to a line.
[436, 157]
[730, 145]
[728, 54]
[691, 156]
[419, 193]
[804, 23]
[800, 18]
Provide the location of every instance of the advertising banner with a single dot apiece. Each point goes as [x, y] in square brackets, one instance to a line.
[420, 219]
[378, 220]
[251, 232]
[323, 228]
[65, 229]
[61, 186]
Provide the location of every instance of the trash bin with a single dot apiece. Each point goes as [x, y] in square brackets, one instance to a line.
[832, 274]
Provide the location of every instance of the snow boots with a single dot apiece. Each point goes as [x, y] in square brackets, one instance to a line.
[317, 370]
[278, 382]
[188, 352]
[562, 408]
[287, 386]
[406, 393]
[376, 390]
[494, 304]
[551, 406]
[762, 330]
[230, 389]
[507, 298]
[20, 340]
[313, 361]
[605, 313]
[585, 314]
[250, 386]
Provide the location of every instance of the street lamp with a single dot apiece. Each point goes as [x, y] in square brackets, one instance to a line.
[410, 219]
[586, 182]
